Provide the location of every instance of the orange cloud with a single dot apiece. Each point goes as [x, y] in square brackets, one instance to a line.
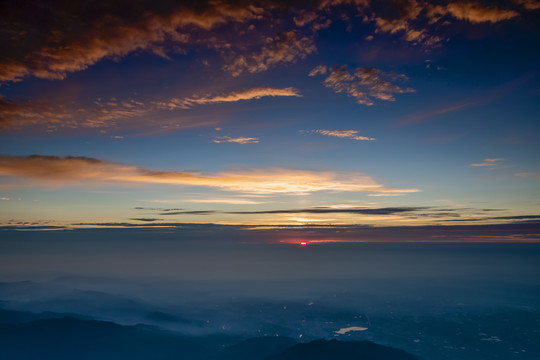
[248, 94]
[28, 113]
[529, 4]
[472, 12]
[287, 47]
[238, 140]
[411, 18]
[115, 113]
[83, 171]
[111, 36]
[103, 115]
[365, 84]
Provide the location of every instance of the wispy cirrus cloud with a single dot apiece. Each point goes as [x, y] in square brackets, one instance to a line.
[42, 170]
[23, 113]
[102, 113]
[494, 163]
[344, 134]
[237, 140]
[121, 113]
[529, 174]
[247, 94]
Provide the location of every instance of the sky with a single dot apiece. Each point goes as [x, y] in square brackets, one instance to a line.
[337, 117]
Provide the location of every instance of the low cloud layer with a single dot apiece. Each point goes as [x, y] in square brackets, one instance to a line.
[83, 171]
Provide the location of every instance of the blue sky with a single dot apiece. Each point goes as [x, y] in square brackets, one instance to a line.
[257, 113]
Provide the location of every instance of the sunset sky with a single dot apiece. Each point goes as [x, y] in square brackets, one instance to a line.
[326, 114]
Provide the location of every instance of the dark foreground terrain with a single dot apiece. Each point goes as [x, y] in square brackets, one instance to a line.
[55, 336]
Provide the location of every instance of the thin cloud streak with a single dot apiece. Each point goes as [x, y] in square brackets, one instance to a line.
[232, 201]
[83, 171]
[237, 140]
[247, 94]
[345, 134]
[529, 174]
[489, 163]
[113, 112]
[329, 210]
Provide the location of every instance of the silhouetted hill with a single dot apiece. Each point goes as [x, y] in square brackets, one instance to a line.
[70, 338]
[255, 348]
[14, 317]
[342, 350]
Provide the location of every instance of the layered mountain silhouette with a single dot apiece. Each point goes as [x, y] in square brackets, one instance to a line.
[25, 336]
[70, 338]
[342, 350]
[255, 348]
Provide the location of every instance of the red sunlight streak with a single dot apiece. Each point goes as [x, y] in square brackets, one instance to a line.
[488, 239]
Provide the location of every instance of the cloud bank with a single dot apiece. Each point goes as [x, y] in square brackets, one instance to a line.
[84, 171]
